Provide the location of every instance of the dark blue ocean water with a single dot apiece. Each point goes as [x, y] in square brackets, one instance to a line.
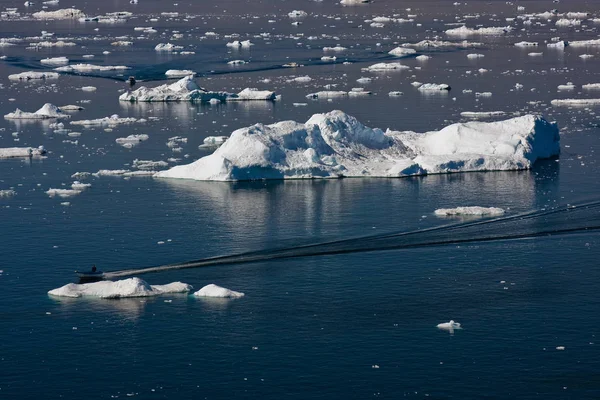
[355, 325]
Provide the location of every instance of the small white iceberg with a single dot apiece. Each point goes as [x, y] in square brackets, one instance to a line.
[17, 152]
[213, 290]
[47, 111]
[29, 75]
[132, 287]
[450, 326]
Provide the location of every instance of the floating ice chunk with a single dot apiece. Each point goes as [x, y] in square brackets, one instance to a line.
[297, 14]
[336, 144]
[91, 68]
[63, 193]
[18, 152]
[178, 73]
[113, 120]
[585, 43]
[422, 57]
[71, 108]
[469, 211]
[442, 45]
[449, 326]
[149, 164]
[336, 48]
[55, 61]
[47, 111]
[25, 76]
[428, 87]
[558, 45]
[575, 102]
[482, 114]
[132, 140]
[364, 80]
[568, 22]
[591, 86]
[355, 92]
[236, 62]
[88, 88]
[464, 31]
[4, 194]
[214, 141]
[327, 94]
[385, 67]
[302, 79]
[526, 44]
[213, 290]
[402, 52]
[395, 94]
[475, 56]
[560, 347]
[132, 287]
[535, 54]
[568, 86]
[354, 2]
[328, 58]
[253, 94]
[586, 56]
[167, 47]
[66, 13]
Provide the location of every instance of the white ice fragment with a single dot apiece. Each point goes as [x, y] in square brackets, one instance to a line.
[402, 52]
[47, 111]
[24, 152]
[429, 87]
[25, 76]
[90, 68]
[213, 290]
[132, 140]
[449, 326]
[132, 287]
[55, 61]
[66, 13]
[177, 73]
[394, 66]
[575, 102]
[464, 31]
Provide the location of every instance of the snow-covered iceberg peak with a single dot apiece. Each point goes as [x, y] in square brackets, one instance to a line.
[335, 144]
[132, 287]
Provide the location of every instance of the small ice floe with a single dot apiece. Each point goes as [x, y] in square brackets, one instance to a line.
[48, 44]
[88, 88]
[395, 94]
[422, 57]
[213, 290]
[46, 112]
[179, 73]
[26, 76]
[492, 31]
[526, 44]
[297, 14]
[236, 62]
[167, 47]
[482, 114]
[585, 43]
[132, 140]
[300, 79]
[442, 45]
[586, 56]
[568, 22]
[327, 94]
[66, 13]
[113, 120]
[385, 67]
[213, 141]
[132, 287]
[474, 56]
[122, 43]
[591, 86]
[450, 326]
[575, 102]
[560, 347]
[237, 44]
[148, 165]
[568, 86]
[364, 81]
[55, 61]
[434, 87]
[76, 189]
[356, 92]
[5, 194]
[402, 52]
[91, 68]
[18, 152]
[186, 89]
[335, 49]
[353, 2]
[474, 211]
[558, 45]
[535, 54]
[329, 58]
[71, 108]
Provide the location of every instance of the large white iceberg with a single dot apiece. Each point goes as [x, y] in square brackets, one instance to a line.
[213, 290]
[337, 145]
[186, 89]
[132, 287]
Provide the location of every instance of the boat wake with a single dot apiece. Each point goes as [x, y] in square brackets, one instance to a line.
[558, 221]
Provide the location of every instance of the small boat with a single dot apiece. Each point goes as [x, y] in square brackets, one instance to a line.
[90, 276]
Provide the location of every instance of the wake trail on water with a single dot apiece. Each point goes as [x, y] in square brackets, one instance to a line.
[561, 220]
